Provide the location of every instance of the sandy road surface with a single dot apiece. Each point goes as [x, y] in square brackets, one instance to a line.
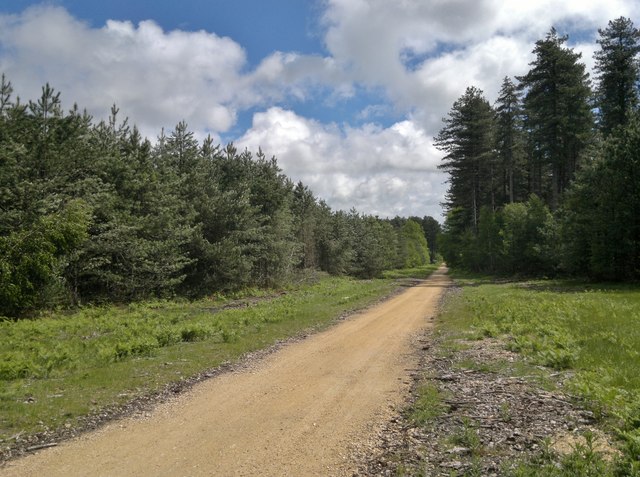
[294, 413]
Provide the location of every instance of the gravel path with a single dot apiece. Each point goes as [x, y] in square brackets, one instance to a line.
[299, 411]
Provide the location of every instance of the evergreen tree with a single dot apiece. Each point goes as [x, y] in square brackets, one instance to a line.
[558, 116]
[335, 240]
[510, 142]
[489, 242]
[602, 222]
[46, 113]
[139, 229]
[617, 73]
[180, 149]
[374, 246]
[467, 141]
[456, 238]
[432, 229]
[304, 210]
[6, 90]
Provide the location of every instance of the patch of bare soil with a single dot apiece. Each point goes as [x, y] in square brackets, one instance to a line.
[493, 417]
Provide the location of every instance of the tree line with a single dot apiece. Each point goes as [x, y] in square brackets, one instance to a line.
[92, 212]
[547, 179]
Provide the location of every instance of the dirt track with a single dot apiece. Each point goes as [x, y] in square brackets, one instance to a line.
[295, 413]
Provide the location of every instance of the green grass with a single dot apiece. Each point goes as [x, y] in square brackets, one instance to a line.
[418, 272]
[466, 436]
[62, 366]
[594, 330]
[429, 405]
[584, 461]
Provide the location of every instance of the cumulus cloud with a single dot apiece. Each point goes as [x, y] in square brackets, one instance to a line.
[157, 77]
[425, 53]
[384, 171]
[421, 55]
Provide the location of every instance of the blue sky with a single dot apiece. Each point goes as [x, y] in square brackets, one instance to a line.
[347, 94]
[259, 26]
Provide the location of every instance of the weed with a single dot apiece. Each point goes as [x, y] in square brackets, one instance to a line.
[467, 436]
[429, 405]
[505, 412]
[583, 461]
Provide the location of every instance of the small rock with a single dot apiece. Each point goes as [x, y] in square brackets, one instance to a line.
[459, 450]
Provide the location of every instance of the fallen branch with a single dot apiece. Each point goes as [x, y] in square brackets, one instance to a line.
[41, 446]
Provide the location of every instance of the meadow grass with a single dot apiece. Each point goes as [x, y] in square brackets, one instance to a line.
[416, 272]
[591, 329]
[61, 366]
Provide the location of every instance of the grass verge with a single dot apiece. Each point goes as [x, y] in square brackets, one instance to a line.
[592, 330]
[62, 366]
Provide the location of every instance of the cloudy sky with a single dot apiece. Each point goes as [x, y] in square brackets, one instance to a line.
[347, 94]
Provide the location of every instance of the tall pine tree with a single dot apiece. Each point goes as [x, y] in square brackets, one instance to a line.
[510, 142]
[617, 73]
[558, 115]
[467, 141]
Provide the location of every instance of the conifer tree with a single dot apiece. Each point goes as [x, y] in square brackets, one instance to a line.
[602, 223]
[6, 90]
[510, 141]
[617, 73]
[558, 115]
[467, 141]
[305, 211]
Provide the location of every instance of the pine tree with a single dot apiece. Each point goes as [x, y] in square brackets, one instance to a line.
[6, 90]
[467, 141]
[510, 141]
[558, 115]
[46, 112]
[602, 224]
[617, 72]
[335, 240]
[181, 149]
[305, 211]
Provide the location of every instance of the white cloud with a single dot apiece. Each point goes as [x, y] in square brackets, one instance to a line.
[158, 78]
[387, 172]
[421, 55]
[452, 44]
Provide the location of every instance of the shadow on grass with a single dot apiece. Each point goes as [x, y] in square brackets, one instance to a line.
[466, 278]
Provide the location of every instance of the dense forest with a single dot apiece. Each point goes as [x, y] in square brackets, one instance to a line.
[547, 179]
[92, 212]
